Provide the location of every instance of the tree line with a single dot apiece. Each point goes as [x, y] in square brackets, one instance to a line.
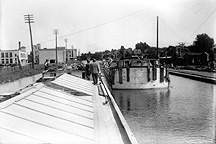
[202, 43]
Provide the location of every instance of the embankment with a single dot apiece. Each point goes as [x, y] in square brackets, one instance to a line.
[9, 74]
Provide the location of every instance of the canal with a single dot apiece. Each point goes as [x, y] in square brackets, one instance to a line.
[18, 84]
[184, 113]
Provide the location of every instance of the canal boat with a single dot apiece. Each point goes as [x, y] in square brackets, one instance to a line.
[136, 73]
[68, 109]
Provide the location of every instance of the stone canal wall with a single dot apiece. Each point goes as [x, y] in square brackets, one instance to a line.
[8, 74]
[208, 77]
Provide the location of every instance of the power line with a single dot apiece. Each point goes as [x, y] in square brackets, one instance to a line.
[203, 23]
[173, 32]
[98, 25]
[118, 35]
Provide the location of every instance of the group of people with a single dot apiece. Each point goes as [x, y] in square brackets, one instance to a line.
[94, 69]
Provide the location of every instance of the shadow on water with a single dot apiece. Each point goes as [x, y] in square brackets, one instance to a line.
[185, 113]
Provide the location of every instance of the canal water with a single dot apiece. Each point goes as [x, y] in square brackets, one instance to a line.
[183, 114]
[18, 84]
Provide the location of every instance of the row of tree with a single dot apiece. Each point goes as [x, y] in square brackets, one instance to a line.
[202, 43]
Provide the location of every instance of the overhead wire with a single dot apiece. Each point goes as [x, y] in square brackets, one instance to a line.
[93, 27]
[172, 31]
[202, 23]
[118, 35]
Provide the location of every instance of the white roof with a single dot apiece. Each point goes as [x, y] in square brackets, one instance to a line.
[47, 115]
[67, 110]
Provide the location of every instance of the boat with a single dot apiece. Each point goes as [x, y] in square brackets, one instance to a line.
[136, 73]
[68, 109]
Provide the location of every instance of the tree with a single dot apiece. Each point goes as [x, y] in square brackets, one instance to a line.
[203, 43]
[122, 51]
[142, 46]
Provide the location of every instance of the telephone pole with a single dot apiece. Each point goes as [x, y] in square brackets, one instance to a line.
[66, 49]
[157, 37]
[29, 19]
[56, 32]
[72, 51]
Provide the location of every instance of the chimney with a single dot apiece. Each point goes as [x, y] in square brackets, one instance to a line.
[19, 45]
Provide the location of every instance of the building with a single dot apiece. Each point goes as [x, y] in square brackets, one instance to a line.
[50, 54]
[8, 57]
[23, 56]
[71, 54]
[36, 49]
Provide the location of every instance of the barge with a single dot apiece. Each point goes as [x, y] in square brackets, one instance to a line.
[136, 73]
[68, 109]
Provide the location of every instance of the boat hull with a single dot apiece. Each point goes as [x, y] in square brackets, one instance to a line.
[139, 78]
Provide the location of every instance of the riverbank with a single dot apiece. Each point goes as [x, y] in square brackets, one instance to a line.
[12, 74]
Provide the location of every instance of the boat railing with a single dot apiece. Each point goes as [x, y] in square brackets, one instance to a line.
[109, 98]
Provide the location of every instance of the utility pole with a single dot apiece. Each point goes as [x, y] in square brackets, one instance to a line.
[29, 19]
[66, 49]
[72, 52]
[157, 37]
[56, 32]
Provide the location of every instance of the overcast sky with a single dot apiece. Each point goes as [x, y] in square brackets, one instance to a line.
[97, 25]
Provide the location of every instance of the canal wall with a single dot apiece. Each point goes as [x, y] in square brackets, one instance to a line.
[9, 74]
[194, 76]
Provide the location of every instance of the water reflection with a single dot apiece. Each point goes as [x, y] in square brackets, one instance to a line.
[133, 100]
[183, 114]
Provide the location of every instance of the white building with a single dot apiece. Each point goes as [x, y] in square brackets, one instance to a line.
[50, 54]
[23, 56]
[12, 56]
[71, 54]
[36, 49]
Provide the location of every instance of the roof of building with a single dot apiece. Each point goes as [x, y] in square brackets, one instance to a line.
[51, 49]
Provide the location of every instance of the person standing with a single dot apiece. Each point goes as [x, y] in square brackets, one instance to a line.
[87, 69]
[46, 64]
[95, 70]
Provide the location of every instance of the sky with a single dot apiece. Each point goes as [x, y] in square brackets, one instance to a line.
[98, 25]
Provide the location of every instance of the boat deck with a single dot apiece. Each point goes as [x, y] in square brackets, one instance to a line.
[67, 110]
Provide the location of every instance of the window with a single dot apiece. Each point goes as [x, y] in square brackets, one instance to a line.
[52, 61]
[6, 61]
[2, 61]
[6, 55]
[11, 54]
[2, 55]
[11, 61]
[23, 55]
